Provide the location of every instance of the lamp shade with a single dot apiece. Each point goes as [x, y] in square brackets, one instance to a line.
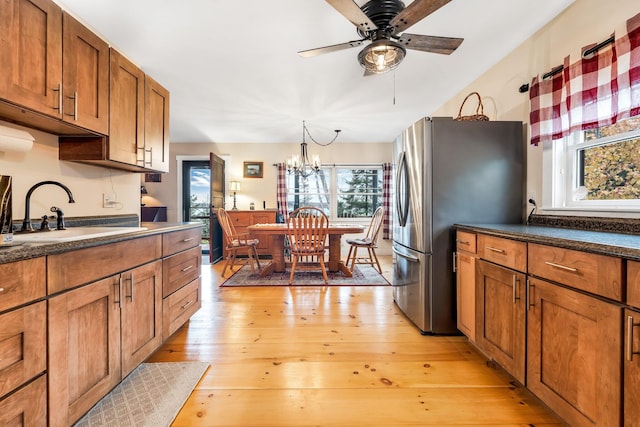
[381, 56]
[234, 186]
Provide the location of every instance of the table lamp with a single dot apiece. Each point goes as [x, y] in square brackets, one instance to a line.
[234, 186]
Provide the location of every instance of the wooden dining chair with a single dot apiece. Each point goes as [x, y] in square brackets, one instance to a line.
[307, 230]
[234, 242]
[369, 242]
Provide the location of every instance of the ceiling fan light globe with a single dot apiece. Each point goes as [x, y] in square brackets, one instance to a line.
[381, 56]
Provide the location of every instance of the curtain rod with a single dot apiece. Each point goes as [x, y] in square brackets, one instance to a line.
[559, 68]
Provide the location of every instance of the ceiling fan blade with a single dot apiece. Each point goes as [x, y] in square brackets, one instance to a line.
[434, 44]
[350, 10]
[333, 48]
[413, 13]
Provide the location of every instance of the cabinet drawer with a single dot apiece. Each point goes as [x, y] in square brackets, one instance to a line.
[71, 269]
[633, 283]
[466, 242]
[180, 269]
[178, 307]
[27, 406]
[509, 253]
[21, 282]
[178, 241]
[597, 274]
[23, 345]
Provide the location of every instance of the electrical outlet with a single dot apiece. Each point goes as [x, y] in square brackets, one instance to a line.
[108, 200]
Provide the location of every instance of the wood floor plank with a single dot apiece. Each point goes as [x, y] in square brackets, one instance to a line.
[335, 356]
[362, 407]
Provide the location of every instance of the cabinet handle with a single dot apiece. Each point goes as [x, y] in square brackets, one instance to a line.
[455, 267]
[150, 151]
[187, 240]
[500, 251]
[75, 106]
[130, 279]
[562, 267]
[530, 289]
[630, 326]
[514, 284]
[187, 268]
[187, 304]
[119, 285]
[462, 242]
[1, 290]
[59, 90]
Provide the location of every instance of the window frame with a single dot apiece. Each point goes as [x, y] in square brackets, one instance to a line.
[560, 166]
[332, 173]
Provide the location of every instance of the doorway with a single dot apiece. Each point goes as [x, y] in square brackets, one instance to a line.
[196, 181]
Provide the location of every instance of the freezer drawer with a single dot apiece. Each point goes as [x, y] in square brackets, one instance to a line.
[411, 275]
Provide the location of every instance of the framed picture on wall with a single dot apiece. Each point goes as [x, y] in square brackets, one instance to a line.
[152, 177]
[253, 169]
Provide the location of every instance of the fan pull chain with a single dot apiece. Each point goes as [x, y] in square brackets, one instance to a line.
[394, 88]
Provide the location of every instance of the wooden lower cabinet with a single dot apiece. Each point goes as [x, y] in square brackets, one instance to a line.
[501, 316]
[26, 407]
[98, 333]
[574, 354]
[141, 316]
[84, 348]
[631, 368]
[466, 293]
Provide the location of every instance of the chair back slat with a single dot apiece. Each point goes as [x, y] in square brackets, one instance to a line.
[308, 230]
[375, 225]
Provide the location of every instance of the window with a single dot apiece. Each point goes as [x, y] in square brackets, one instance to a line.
[340, 191]
[596, 169]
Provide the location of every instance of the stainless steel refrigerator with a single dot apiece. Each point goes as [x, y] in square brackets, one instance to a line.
[448, 172]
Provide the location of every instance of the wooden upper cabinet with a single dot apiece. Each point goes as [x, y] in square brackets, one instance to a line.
[156, 126]
[126, 115]
[85, 64]
[31, 55]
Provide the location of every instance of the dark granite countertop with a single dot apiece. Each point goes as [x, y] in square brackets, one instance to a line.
[17, 252]
[599, 242]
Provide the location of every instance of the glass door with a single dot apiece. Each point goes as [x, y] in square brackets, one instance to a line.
[196, 178]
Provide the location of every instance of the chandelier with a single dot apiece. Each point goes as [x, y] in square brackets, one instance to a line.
[299, 164]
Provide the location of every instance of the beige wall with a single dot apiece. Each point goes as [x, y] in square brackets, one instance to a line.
[255, 189]
[584, 22]
[86, 182]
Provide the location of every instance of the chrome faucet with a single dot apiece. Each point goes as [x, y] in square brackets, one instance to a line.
[26, 223]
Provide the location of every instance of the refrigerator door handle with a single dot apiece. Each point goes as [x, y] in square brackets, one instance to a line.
[406, 256]
[402, 180]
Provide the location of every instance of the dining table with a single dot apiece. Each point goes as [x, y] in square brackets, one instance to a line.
[277, 233]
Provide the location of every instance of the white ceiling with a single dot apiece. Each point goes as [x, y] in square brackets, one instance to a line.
[235, 76]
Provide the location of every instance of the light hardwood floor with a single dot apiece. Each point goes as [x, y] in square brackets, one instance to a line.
[334, 356]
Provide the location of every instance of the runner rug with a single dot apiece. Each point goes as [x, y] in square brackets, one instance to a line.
[363, 275]
[151, 395]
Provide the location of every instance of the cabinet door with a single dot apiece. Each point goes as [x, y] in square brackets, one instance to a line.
[500, 316]
[574, 354]
[466, 293]
[126, 111]
[23, 345]
[26, 407]
[31, 54]
[156, 123]
[85, 64]
[84, 348]
[141, 314]
[632, 368]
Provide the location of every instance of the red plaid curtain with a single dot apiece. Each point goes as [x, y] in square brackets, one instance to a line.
[387, 188]
[589, 93]
[281, 191]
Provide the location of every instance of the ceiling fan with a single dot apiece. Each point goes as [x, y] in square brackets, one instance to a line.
[380, 22]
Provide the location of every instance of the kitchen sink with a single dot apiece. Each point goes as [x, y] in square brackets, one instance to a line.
[72, 234]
